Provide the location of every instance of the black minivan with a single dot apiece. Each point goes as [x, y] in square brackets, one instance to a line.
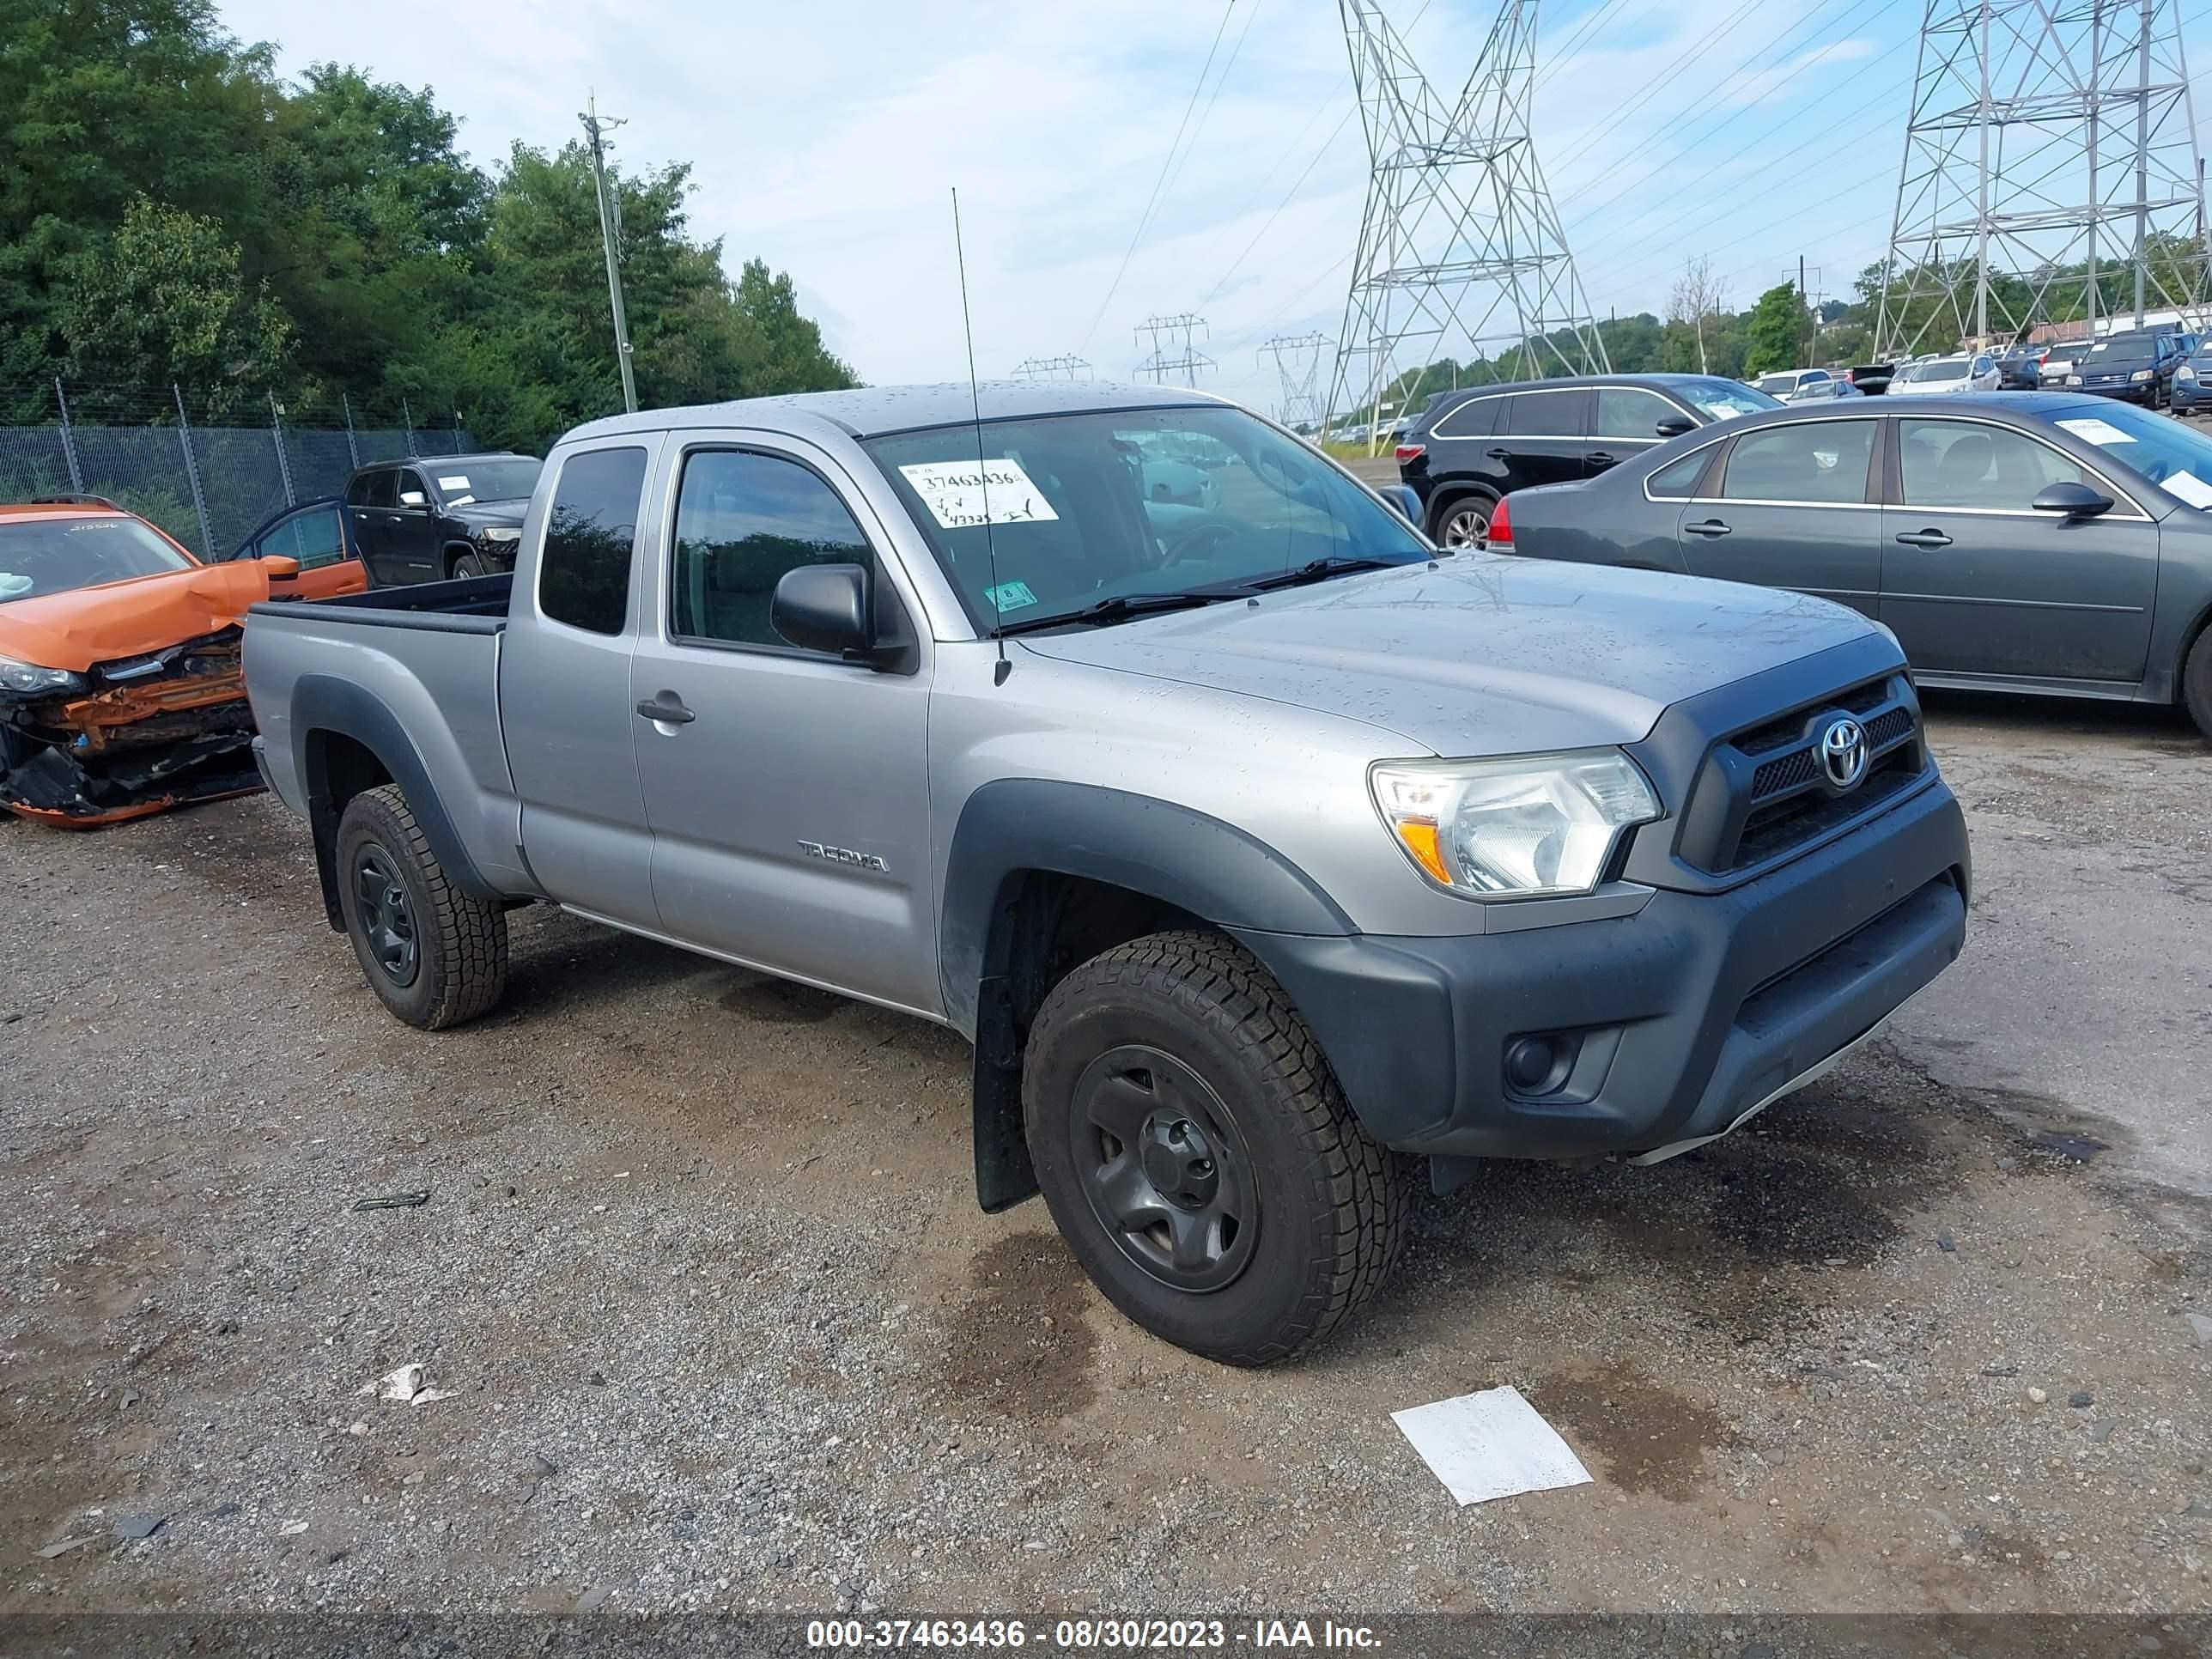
[1469, 447]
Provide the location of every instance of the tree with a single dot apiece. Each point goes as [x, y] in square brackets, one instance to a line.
[1776, 333]
[1697, 294]
[161, 302]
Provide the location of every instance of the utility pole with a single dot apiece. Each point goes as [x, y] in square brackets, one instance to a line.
[596, 128]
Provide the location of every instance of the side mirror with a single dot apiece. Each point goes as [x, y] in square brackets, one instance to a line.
[2073, 501]
[280, 568]
[1403, 501]
[1674, 426]
[823, 607]
[413, 498]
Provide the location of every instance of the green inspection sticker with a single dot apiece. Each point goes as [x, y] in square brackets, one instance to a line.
[1009, 596]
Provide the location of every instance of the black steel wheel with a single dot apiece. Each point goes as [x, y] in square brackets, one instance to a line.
[433, 955]
[1197, 1155]
[387, 921]
[1164, 1167]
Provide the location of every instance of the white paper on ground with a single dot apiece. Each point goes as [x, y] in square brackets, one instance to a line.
[1491, 1444]
[2191, 488]
[955, 492]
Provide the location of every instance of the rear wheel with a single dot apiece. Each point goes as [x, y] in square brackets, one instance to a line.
[1198, 1156]
[2196, 683]
[434, 955]
[1465, 524]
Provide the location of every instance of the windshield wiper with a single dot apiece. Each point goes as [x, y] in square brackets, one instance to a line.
[1315, 570]
[1120, 608]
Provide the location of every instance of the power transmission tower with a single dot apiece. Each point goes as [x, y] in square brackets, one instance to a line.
[1298, 359]
[596, 127]
[2051, 146]
[1052, 368]
[1173, 354]
[1461, 241]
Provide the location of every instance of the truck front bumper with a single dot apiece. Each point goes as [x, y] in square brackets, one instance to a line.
[1663, 1027]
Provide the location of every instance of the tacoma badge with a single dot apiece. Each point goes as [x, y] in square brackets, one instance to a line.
[815, 849]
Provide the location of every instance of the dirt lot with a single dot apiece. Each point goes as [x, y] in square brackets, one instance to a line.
[722, 1327]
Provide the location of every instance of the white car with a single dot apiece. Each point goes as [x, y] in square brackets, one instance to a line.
[1784, 383]
[1939, 377]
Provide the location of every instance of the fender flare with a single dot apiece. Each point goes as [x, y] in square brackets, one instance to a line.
[325, 706]
[1196, 862]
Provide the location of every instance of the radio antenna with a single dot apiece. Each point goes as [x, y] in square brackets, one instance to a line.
[982, 467]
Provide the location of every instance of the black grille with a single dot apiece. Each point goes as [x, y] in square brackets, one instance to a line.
[1764, 792]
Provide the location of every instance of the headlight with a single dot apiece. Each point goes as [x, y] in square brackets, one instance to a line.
[2142, 374]
[498, 535]
[2073, 380]
[30, 680]
[2184, 373]
[1532, 827]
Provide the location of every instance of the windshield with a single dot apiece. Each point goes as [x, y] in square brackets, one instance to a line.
[1721, 400]
[1776, 385]
[38, 556]
[460, 481]
[2175, 457]
[1945, 369]
[1100, 506]
[2126, 346]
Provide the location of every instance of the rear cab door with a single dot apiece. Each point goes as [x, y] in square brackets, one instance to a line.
[1794, 504]
[570, 722]
[1975, 581]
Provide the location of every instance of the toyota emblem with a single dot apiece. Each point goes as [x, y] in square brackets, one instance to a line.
[1844, 753]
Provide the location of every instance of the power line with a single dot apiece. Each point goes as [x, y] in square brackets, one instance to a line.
[1219, 82]
[1166, 162]
[1557, 56]
[1658, 83]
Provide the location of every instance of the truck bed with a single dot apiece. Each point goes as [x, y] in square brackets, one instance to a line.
[473, 605]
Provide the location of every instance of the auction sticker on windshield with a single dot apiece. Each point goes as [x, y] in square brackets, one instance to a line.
[2103, 433]
[2191, 488]
[955, 492]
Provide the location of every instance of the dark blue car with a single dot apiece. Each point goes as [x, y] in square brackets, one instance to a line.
[2038, 542]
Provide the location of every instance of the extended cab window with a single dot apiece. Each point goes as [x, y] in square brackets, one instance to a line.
[590, 536]
[1806, 462]
[742, 521]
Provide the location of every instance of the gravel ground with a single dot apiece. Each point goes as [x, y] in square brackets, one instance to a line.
[718, 1324]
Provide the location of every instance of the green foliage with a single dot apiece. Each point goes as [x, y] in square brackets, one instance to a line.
[170, 210]
[1775, 337]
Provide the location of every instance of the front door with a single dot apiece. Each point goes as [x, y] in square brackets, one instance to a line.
[1624, 422]
[322, 538]
[412, 542]
[789, 798]
[1975, 581]
[373, 496]
[1793, 510]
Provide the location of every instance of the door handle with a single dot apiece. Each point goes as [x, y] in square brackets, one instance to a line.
[1710, 527]
[671, 710]
[1925, 538]
[1600, 457]
[1498, 454]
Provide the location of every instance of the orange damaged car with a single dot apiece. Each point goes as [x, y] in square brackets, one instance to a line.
[120, 692]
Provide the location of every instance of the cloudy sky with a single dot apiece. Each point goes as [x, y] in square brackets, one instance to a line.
[824, 138]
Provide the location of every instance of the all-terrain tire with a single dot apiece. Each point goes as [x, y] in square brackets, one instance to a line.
[1332, 1206]
[2196, 682]
[456, 965]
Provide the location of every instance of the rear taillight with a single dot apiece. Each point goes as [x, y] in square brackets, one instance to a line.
[1406, 453]
[1501, 527]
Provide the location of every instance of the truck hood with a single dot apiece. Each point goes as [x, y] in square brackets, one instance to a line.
[88, 625]
[490, 515]
[1481, 654]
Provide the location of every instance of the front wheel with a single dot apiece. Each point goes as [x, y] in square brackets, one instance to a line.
[2196, 683]
[470, 564]
[434, 955]
[1465, 526]
[1198, 1156]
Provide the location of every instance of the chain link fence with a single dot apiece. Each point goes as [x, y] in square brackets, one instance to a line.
[209, 481]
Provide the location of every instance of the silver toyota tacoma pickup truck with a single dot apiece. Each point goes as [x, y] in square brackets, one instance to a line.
[1261, 849]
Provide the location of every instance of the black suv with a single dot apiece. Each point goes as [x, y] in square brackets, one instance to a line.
[430, 518]
[1468, 448]
[2137, 365]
